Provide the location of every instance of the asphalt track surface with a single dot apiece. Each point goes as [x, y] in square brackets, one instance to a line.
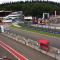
[55, 42]
[12, 51]
[26, 51]
[4, 53]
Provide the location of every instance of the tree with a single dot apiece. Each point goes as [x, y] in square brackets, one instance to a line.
[32, 8]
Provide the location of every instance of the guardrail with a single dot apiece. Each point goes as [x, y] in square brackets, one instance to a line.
[53, 52]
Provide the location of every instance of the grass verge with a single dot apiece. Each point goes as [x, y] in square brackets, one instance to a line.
[40, 32]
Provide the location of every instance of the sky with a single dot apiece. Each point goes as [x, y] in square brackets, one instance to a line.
[5, 1]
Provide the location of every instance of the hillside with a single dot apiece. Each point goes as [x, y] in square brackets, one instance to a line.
[32, 8]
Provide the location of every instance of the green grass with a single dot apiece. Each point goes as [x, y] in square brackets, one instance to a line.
[41, 32]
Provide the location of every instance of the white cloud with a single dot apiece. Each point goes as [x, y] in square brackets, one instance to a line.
[3, 1]
[55, 0]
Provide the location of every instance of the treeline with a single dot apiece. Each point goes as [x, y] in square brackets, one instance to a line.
[32, 8]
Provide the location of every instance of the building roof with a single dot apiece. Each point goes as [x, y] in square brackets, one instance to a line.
[28, 17]
[43, 41]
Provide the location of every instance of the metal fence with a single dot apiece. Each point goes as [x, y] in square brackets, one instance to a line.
[53, 52]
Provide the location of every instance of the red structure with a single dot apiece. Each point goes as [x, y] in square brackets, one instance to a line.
[44, 44]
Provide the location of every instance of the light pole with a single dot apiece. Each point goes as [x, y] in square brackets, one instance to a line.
[56, 52]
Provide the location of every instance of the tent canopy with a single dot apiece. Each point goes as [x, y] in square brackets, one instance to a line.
[43, 41]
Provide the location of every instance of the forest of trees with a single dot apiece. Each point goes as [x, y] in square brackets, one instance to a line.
[32, 8]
